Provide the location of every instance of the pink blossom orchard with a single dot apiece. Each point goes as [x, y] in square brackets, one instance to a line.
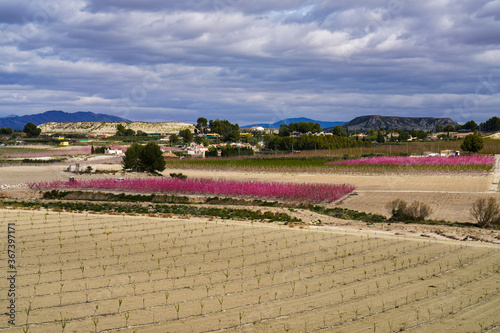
[312, 193]
[486, 160]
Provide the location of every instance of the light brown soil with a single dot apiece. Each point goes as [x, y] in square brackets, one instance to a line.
[113, 273]
[450, 197]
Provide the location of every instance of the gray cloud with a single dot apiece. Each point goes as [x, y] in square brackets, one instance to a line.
[251, 61]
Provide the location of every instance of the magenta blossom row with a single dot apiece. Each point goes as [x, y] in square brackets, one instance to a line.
[431, 160]
[289, 191]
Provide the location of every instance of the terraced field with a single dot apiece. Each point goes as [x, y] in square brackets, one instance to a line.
[82, 272]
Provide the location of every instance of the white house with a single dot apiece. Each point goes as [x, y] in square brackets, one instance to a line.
[196, 150]
[117, 152]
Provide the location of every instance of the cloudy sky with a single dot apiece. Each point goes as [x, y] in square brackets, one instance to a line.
[251, 61]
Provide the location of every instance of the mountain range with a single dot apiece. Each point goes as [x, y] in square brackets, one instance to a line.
[364, 123]
[323, 124]
[18, 122]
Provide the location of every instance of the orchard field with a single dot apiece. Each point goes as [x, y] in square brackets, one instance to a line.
[83, 272]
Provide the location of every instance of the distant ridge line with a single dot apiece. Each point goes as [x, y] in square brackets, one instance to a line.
[57, 116]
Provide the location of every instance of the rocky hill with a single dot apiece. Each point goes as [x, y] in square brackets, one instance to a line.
[364, 123]
[109, 128]
[18, 122]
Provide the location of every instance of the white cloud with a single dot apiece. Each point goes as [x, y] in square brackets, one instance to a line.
[240, 60]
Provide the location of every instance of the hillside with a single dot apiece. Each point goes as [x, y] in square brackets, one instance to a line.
[364, 123]
[18, 122]
[109, 128]
[323, 124]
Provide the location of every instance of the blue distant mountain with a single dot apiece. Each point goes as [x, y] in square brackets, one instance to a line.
[323, 124]
[18, 122]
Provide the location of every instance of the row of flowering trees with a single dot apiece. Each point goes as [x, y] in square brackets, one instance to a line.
[486, 160]
[303, 192]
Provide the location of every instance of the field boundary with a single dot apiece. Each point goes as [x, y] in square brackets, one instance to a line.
[495, 186]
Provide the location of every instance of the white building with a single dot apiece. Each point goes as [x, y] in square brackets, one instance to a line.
[196, 150]
[117, 152]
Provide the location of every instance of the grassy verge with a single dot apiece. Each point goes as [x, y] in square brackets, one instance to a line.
[336, 212]
[369, 218]
[224, 213]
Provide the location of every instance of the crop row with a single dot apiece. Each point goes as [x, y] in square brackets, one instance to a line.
[165, 274]
[486, 160]
[436, 164]
[156, 302]
[288, 191]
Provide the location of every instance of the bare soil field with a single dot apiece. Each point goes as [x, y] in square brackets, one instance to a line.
[82, 272]
[450, 197]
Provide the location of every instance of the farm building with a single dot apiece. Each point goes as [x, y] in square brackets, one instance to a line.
[117, 152]
[448, 152]
[196, 150]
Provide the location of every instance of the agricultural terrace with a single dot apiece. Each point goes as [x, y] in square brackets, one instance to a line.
[42, 151]
[380, 165]
[288, 191]
[83, 272]
[386, 164]
[17, 155]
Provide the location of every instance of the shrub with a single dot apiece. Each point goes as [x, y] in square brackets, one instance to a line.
[397, 209]
[486, 212]
[418, 211]
[212, 152]
[179, 175]
[472, 143]
[401, 211]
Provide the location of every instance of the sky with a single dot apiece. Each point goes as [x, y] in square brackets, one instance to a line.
[256, 61]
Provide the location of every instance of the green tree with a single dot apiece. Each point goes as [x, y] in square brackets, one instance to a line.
[491, 125]
[131, 158]
[448, 129]
[403, 136]
[120, 130]
[31, 130]
[144, 158]
[304, 127]
[212, 152]
[174, 139]
[380, 137]
[472, 143]
[225, 129]
[186, 135]
[129, 132]
[198, 140]
[202, 125]
[151, 157]
[421, 135]
[339, 131]
[6, 130]
[470, 125]
[249, 138]
[284, 130]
